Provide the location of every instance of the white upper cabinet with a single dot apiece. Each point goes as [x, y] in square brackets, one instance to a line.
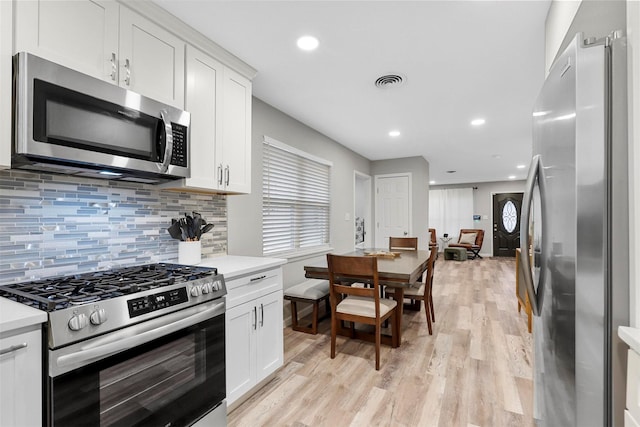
[104, 40]
[203, 99]
[82, 35]
[6, 39]
[151, 59]
[219, 100]
[235, 150]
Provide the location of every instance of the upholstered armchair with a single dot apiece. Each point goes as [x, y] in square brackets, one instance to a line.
[470, 239]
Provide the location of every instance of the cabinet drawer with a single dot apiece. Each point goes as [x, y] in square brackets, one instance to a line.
[252, 286]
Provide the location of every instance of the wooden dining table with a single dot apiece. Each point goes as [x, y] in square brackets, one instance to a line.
[403, 271]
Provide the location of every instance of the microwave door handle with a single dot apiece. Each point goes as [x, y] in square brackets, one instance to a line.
[168, 146]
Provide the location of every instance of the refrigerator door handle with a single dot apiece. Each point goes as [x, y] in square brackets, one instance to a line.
[525, 256]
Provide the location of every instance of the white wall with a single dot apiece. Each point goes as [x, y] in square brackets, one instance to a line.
[245, 212]
[483, 205]
[633, 32]
[559, 18]
[595, 18]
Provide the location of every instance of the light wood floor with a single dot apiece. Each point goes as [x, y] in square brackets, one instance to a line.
[475, 370]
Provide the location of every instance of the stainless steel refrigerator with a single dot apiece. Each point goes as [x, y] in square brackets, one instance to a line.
[575, 228]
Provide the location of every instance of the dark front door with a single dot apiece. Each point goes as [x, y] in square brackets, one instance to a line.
[506, 223]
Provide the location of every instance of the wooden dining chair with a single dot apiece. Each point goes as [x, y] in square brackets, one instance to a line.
[422, 293]
[359, 304]
[403, 243]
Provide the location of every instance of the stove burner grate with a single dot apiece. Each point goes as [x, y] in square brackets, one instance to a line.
[52, 294]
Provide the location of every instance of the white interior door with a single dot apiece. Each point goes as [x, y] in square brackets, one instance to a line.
[393, 207]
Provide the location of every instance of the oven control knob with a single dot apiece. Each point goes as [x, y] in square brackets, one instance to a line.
[195, 291]
[78, 322]
[215, 286]
[98, 317]
[206, 288]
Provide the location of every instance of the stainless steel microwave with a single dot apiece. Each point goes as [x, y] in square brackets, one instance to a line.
[71, 123]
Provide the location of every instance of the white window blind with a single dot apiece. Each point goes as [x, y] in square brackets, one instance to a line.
[295, 199]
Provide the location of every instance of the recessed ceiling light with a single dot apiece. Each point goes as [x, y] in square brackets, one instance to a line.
[521, 166]
[394, 133]
[307, 43]
[512, 177]
[477, 122]
[540, 113]
[432, 182]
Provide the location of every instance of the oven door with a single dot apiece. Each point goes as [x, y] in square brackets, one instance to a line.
[168, 371]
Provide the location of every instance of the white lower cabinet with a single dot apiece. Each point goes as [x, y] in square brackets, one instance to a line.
[254, 334]
[21, 377]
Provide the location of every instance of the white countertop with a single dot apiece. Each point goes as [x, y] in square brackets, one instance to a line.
[232, 266]
[631, 336]
[14, 315]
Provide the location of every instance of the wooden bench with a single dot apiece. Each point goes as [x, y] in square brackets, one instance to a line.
[310, 292]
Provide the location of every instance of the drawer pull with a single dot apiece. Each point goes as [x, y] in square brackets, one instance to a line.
[257, 278]
[13, 348]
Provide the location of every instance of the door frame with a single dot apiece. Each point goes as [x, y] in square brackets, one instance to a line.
[376, 179]
[493, 193]
[359, 176]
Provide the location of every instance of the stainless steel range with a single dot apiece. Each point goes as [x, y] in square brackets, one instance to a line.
[139, 345]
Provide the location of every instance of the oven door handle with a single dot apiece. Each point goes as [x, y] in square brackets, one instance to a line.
[129, 337]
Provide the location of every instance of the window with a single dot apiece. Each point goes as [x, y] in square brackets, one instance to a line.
[451, 210]
[295, 200]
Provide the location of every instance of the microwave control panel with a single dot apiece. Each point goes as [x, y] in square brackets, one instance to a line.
[179, 156]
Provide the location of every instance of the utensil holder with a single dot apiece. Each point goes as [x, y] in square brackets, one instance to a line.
[189, 252]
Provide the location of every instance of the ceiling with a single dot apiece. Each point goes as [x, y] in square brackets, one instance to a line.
[460, 60]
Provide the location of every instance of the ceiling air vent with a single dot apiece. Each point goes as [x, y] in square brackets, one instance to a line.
[389, 80]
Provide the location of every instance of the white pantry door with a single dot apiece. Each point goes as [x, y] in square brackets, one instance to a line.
[393, 207]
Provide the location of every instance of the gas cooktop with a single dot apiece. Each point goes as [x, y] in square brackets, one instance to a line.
[86, 305]
[58, 293]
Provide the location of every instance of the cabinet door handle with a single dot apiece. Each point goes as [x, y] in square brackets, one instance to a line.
[226, 174]
[253, 279]
[255, 318]
[127, 67]
[13, 348]
[261, 315]
[114, 67]
[220, 174]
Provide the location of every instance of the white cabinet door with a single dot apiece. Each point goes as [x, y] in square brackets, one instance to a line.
[219, 100]
[6, 38]
[82, 35]
[203, 101]
[151, 59]
[270, 337]
[240, 349]
[235, 150]
[21, 379]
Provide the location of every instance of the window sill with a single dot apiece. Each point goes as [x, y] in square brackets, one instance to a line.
[302, 254]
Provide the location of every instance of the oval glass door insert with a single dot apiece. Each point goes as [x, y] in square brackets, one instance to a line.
[509, 216]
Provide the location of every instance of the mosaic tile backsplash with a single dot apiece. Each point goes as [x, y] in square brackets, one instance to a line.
[54, 225]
